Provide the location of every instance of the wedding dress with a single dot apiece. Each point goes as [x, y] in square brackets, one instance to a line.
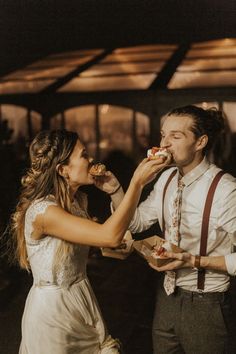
[61, 314]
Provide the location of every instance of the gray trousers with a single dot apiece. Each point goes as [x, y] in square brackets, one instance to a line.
[191, 323]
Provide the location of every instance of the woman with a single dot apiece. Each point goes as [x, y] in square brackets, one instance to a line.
[53, 232]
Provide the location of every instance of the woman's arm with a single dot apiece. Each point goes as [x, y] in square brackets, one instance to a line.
[59, 223]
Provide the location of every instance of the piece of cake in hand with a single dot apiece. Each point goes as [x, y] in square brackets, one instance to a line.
[153, 250]
[97, 170]
[157, 152]
[158, 251]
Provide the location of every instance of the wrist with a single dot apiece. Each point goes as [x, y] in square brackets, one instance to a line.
[115, 190]
[197, 262]
[136, 184]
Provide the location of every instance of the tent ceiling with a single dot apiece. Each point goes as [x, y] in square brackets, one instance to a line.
[204, 64]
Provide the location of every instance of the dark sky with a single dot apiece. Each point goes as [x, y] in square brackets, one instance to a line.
[33, 28]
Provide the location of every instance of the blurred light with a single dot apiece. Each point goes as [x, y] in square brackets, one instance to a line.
[104, 144]
[105, 108]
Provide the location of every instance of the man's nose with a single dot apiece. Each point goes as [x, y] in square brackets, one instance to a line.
[165, 142]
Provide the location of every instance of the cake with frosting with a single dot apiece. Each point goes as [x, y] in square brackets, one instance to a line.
[158, 251]
[97, 169]
[156, 152]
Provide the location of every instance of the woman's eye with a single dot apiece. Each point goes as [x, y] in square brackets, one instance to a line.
[85, 155]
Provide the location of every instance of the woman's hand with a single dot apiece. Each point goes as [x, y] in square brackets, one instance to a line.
[180, 260]
[107, 183]
[148, 169]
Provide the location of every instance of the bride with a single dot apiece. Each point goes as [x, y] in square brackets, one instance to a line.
[54, 231]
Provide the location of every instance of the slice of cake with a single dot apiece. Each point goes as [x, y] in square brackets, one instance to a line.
[97, 170]
[156, 152]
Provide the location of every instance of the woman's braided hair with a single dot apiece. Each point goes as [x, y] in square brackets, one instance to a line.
[48, 150]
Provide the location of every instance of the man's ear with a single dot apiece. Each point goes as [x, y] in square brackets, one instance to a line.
[202, 142]
[61, 170]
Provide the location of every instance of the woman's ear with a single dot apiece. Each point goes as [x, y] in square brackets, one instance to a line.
[62, 171]
[202, 142]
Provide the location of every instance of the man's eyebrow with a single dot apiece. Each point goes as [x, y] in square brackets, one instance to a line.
[175, 131]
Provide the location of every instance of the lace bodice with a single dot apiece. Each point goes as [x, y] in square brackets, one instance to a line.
[41, 253]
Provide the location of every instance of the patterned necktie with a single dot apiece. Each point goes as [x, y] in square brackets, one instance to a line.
[170, 276]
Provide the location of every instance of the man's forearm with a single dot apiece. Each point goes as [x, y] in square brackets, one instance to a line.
[214, 263]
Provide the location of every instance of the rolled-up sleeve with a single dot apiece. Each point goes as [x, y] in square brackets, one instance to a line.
[228, 222]
[230, 261]
[150, 210]
[146, 214]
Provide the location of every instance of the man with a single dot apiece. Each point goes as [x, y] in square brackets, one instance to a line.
[192, 319]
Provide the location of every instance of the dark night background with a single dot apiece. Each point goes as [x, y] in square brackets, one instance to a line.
[33, 29]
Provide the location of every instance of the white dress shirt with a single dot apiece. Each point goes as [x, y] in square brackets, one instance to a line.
[222, 223]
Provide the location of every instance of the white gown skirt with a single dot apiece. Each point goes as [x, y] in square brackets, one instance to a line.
[60, 320]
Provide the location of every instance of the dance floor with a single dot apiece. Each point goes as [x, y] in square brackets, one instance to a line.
[125, 290]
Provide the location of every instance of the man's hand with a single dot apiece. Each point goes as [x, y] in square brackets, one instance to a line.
[179, 260]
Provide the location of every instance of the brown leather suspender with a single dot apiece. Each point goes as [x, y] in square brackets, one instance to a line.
[205, 226]
[205, 220]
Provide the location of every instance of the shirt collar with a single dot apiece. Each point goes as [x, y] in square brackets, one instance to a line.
[196, 172]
